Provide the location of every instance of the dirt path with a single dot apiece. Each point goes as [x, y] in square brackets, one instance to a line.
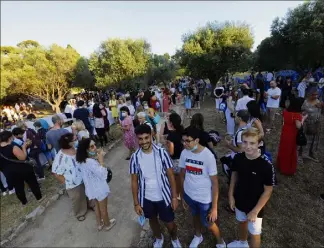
[58, 228]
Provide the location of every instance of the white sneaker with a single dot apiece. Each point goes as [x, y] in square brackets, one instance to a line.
[176, 243]
[221, 245]
[158, 243]
[4, 193]
[12, 192]
[238, 244]
[40, 179]
[196, 241]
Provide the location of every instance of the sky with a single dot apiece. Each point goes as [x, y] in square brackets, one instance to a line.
[84, 24]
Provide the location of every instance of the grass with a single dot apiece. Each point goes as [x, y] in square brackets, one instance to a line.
[11, 210]
[293, 216]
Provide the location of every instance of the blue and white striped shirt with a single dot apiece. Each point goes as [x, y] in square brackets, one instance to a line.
[162, 163]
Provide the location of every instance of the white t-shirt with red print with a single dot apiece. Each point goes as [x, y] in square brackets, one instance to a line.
[199, 167]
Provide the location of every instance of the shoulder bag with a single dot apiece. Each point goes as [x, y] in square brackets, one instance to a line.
[30, 161]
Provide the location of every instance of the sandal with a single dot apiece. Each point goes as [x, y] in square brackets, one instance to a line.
[112, 223]
[81, 218]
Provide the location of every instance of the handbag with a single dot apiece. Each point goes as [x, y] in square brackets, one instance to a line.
[109, 174]
[30, 161]
[301, 139]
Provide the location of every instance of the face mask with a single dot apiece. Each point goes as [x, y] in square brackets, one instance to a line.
[146, 107]
[18, 141]
[101, 107]
[123, 114]
[194, 148]
[76, 144]
[91, 153]
[128, 103]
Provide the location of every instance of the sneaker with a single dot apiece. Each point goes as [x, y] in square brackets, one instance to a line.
[223, 245]
[12, 192]
[238, 244]
[41, 179]
[4, 193]
[196, 241]
[176, 243]
[158, 243]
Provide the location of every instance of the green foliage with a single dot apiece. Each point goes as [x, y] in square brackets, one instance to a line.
[45, 73]
[296, 41]
[119, 60]
[83, 77]
[212, 50]
[161, 68]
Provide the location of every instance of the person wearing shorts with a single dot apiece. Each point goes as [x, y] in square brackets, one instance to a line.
[252, 181]
[200, 185]
[153, 186]
[273, 94]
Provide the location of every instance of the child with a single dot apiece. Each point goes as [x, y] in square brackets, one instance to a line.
[252, 181]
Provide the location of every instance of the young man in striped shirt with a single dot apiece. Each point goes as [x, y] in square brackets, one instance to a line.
[153, 185]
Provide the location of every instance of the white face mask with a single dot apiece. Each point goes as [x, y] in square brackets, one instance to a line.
[146, 107]
[123, 114]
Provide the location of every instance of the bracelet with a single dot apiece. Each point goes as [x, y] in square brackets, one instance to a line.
[136, 205]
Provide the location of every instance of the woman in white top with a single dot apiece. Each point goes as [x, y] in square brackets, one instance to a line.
[79, 130]
[94, 175]
[66, 171]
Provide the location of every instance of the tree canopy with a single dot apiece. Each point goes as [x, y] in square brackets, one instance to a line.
[296, 41]
[46, 73]
[212, 50]
[119, 60]
[161, 68]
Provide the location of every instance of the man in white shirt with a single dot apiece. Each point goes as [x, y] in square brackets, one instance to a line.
[273, 94]
[241, 103]
[153, 186]
[200, 184]
[269, 78]
[302, 88]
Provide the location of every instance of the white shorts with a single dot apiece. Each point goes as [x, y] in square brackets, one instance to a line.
[253, 227]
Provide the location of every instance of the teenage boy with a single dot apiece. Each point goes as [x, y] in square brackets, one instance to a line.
[153, 186]
[200, 185]
[252, 181]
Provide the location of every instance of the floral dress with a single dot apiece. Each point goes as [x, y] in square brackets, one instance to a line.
[129, 136]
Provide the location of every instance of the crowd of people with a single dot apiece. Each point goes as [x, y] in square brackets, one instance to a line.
[169, 164]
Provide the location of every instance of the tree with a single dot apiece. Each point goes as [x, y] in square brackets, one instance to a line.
[296, 41]
[118, 61]
[161, 68]
[214, 49]
[40, 72]
[83, 76]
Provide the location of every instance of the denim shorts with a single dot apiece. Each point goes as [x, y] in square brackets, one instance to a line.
[199, 208]
[176, 168]
[153, 209]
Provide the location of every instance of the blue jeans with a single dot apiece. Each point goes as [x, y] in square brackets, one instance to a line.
[198, 208]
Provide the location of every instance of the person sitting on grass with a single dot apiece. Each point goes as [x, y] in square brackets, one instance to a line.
[252, 181]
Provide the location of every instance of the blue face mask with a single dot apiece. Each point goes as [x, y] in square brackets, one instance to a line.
[76, 144]
[194, 148]
[90, 153]
[19, 142]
